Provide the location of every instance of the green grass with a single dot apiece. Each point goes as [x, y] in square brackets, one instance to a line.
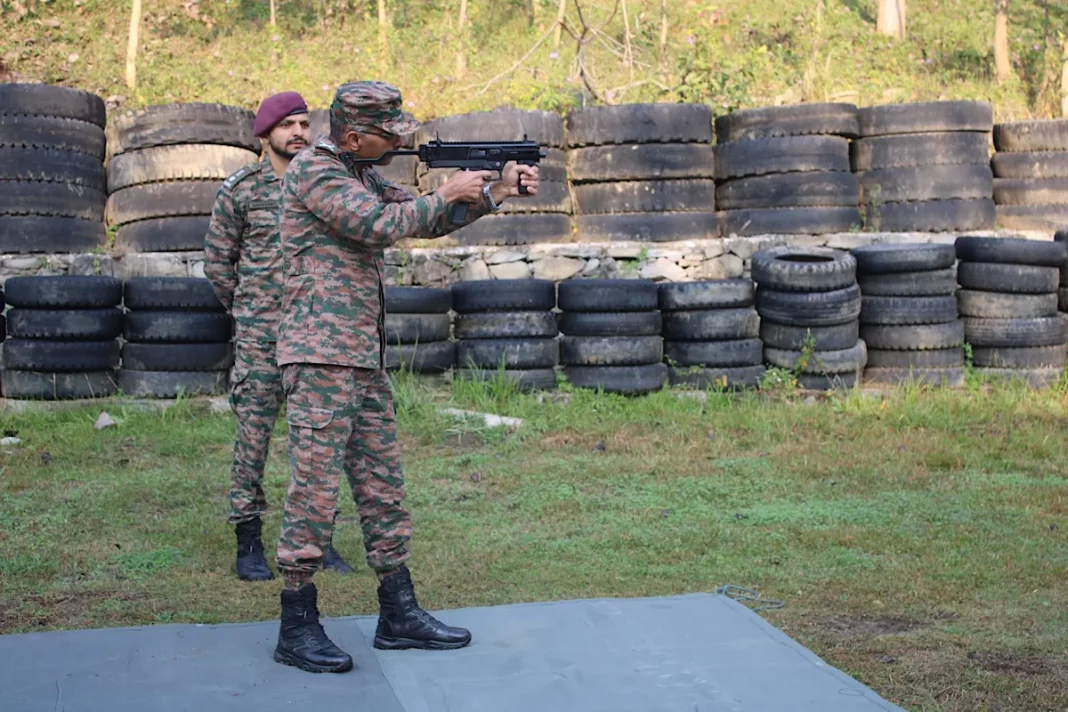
[917, 538]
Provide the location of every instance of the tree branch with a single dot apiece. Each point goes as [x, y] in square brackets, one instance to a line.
[518, 63]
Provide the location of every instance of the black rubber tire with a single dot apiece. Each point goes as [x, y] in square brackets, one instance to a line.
[1017, 279]
[418, 300]
[61, 356]
[710, 294]
[506, 325]
[930, 283]
[838, 381]
[639, 123]
[647, 227]
[611, 350]
[933, 216]
[170, 124]
[1036, 378]
[716, 378]
[788, 221]
[608, 295]
[722, 354]
[900, 311]
[922, 149]
[416, 328]
[847, 360]
[525, 380]
[172, 294]
[1020, 357]
[1014, 333]
[637, 323]
[833, 119]
[172, 384]
[923, 116]
[623, 380]
[914, 337]
[52, 100]
[1062, 299]
[1040, 135]
[1031, 191]
[888, 258]
[711, 324]
[952, 377]
[63, 292]
[546, 128]
[809, 308]
[511, 353]
[194, 161]
[38, 385]
[800, 269]
[432, 357]
[815, 189]
[1041, 218]
[161, 200]
[1011, 250]
[645, 196]
[46, 132]
[641, 162]
[996, 305]
[788, 154]
[941, 182]
[50, 235]
[174, 234]
[517, 229]
[930, 358]
[44, 166]
[64, 200]
[177, 326]
[64, 324]
[1041, 164]
[823, 338]
[503, 295]
[177, 357]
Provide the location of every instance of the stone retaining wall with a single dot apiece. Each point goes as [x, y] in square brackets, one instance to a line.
[721, 258]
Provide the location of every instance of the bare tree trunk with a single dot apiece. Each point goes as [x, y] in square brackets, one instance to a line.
[663, 30]
[891, 19]
[532, 12]
[461, 64]
[272, 13]
[1064, 84]
[628, 55]
[1001, 40]
[131, 47]
[383, 23]
[559, 23]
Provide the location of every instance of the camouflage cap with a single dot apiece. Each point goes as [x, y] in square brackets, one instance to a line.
[371, 104]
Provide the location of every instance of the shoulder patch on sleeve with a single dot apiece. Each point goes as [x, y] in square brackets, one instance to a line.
[241, 175]
[325, 144]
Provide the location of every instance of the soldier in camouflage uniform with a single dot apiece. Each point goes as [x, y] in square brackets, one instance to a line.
[243, 261]
[337, 217]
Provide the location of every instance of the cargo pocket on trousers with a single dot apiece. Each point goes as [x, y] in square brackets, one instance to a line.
[299, 416]
[312, 450]
[238, 375]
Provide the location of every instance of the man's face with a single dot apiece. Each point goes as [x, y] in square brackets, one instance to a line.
[290, 135]
[371, 143]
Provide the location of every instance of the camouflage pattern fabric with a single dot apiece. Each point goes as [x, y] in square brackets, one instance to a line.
[242, 251]
[341, 420]
[255, 397]
[371, 104]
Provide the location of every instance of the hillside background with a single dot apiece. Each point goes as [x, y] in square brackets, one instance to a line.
[730, 54]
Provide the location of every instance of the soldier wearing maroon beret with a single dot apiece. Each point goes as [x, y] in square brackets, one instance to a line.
[243, 261]
[338, 215]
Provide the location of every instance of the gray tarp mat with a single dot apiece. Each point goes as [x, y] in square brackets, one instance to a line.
[690, 653]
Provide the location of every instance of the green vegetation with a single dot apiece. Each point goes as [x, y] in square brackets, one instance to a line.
[917, 538]
[729, 54]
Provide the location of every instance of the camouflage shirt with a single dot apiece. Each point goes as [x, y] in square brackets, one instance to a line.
[242, 251]
[336, 224]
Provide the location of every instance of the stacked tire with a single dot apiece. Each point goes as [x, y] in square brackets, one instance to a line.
[178, 339]
[642, 172]
[908, 314]
[165, 167]
[711, 334]
[62, 337]
[612, 335]
[925, 167]
[1008, 298]
[809, 306]
[52, 183]
[506, 328]
[1062, 298]
[417, 330]
[545, 217]
[785, 170]
[1031, 174]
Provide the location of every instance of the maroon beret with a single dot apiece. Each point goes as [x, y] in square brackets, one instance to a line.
[275, 108]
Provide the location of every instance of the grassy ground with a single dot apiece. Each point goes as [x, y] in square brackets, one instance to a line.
[917, 539]
[730, 54]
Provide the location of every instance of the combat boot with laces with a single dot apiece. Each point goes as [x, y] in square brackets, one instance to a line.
[251, 564]
[403, 624]
[302, 642]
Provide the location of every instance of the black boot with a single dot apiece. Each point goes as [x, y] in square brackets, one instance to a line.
[251, 564]
[333, 561]
[403, 624]
[302, 642]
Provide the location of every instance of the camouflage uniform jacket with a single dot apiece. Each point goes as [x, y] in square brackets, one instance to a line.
[336, 224]
[242, 251]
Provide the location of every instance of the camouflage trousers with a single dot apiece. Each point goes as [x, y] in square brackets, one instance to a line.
[255, 398]
[341, 421]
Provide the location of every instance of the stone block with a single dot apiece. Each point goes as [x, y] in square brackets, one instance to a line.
[510, 270]
[474, 268]
[662, 270]
[557, 268]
